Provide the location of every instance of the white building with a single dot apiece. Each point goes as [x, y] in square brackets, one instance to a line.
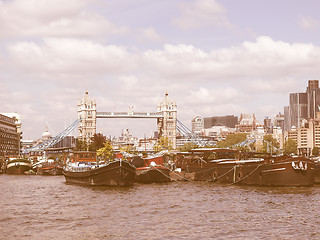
[197, 125]
[218, 132]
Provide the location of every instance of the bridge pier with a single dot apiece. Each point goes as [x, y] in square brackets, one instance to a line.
[167, 125]
[87, 110]
[166, 116]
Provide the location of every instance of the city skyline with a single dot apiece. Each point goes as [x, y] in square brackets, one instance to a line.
[213, 57]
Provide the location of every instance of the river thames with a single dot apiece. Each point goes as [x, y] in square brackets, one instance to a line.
[45, 207]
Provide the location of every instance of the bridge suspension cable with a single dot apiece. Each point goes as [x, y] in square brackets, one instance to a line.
[186, 132]
[247, 142]
[54, 140]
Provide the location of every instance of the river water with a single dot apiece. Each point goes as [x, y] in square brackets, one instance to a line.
[45, 207]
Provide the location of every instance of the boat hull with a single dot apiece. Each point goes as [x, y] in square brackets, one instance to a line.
[317, 173]
[286, 172]
[49, 170]
[157, 174]
[116, 173]
[18, 167]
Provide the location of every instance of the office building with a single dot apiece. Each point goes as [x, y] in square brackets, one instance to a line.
[9, 137]
[229, 121]
[304, 105]
[287, 119]
[313, 92]
[298, 108]
[267, 125]
[279, 121]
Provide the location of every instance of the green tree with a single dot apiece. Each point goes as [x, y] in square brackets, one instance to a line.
[129, 149]
[290, 146]
[188, 146]
[232, 139]
[315, 151]
[81, 145]
[97, 142]
[163, 144]
[106, 152]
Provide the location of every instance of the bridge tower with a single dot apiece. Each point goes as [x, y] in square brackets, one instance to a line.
[87, 112]
[167, 125]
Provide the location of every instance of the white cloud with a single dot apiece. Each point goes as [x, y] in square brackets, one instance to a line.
[128, 82]
[252, 77]
[308, 23]
[70, 56]
[53, 18]
[263, 61]
[149, 34]
[264, 58]
[216, 96]
[202, 13]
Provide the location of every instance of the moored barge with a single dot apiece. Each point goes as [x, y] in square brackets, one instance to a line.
[151, 170]
[226, 166]
[113, 173]
[49, 168]
[17, 166]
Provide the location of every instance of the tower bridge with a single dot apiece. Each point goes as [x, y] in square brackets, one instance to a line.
[166, 116]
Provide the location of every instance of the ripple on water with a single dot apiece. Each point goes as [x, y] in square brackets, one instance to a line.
[38, 207]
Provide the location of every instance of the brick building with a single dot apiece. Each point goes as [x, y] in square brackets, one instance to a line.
[9, 137]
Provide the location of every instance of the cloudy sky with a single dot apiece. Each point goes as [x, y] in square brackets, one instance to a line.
[214, 57]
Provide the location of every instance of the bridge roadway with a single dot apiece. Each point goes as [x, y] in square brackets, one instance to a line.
[129, 114]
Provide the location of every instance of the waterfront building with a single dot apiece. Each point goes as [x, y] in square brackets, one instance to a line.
[87, 113]
[197, 125]
[278, 135]
[218, 133]
[229, 121]
[308, 136]
[305, 138]
[292, 134]
[247, 123]
[9, 136]
[27, 143]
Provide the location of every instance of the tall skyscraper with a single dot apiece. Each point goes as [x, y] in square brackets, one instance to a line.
[313, 92]
[287, 119]
[267, 125]
[298, 108]
[304, 105]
